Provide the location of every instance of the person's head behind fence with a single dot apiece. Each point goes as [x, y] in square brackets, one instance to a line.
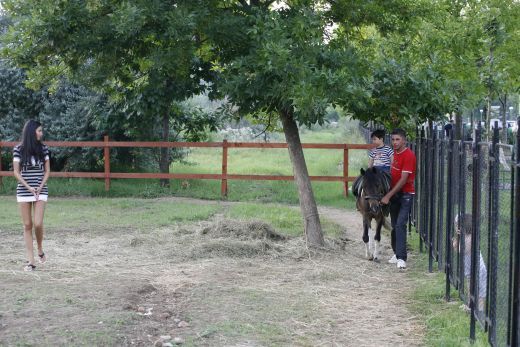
[465, 225]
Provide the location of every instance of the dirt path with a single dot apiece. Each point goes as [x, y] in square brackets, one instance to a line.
[382, 317]
[375, 296]
[117, 287]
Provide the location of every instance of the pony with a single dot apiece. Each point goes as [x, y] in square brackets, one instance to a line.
[369, 188]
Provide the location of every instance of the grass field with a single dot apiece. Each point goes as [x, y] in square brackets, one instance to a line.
[446, 322]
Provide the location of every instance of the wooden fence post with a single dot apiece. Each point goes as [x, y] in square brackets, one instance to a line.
[106, 155]
[345, 171]
[223, 185]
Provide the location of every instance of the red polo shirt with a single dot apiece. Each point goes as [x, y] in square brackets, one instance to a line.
[404, 162]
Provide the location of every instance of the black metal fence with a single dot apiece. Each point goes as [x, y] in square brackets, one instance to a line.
[467, 213]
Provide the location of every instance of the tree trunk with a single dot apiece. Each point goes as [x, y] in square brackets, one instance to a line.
[311, 218]
[503, 113]
[485, 120]
[164, 161]
[459, 126]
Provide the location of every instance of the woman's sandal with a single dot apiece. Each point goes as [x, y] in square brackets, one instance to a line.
[42, 259]
[29, 267]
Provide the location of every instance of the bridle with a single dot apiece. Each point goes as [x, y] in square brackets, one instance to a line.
[376, 198]
[373, 197]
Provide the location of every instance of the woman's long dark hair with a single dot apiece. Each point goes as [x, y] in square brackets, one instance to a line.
[30, 145]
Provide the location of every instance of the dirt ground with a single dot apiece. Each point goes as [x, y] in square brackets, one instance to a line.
[195, 285]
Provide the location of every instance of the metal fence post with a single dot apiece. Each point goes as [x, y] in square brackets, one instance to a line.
[515, 322]
[417, 178]
[475, 234]
[440, 200]
[493, 235]
[511, 247]
[461, 213]
[431, 200]
[422, 174]
[449, 215]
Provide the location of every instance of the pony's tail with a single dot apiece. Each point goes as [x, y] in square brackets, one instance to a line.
[386, 224]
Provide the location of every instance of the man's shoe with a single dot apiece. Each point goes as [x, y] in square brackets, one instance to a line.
[401, 264]
[393, 260]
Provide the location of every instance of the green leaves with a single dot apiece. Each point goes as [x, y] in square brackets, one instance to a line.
[287, 65]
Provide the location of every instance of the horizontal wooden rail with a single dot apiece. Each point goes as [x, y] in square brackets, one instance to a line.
[201, 176]
[144, 144]
[107, 175]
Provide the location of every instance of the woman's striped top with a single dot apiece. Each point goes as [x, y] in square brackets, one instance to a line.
[32, 173]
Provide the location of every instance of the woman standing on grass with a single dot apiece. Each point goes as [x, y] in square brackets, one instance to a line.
[31, 168]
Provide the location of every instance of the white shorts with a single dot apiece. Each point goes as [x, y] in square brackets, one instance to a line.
[31, 198]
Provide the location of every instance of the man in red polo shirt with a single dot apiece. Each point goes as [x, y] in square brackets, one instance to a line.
[400, 195]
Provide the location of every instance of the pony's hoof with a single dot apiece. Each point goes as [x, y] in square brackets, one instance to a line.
[370, 257]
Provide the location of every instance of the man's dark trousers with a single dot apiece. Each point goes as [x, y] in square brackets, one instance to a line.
[400, 206]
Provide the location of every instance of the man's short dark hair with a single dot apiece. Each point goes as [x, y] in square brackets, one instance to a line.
[379, 133]
[399, 132]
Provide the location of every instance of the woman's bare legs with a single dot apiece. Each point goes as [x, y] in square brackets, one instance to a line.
[25, 211]
[39, 209]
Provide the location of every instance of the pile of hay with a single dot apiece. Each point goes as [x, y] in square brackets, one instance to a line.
[237, 239]
[242, 230]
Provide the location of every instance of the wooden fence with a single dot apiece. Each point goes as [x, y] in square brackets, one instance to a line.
[107, 175]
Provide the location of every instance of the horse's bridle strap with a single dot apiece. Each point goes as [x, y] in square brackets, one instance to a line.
[373, 197]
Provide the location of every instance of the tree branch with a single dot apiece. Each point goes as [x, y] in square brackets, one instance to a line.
[245, 4]
[267, 126]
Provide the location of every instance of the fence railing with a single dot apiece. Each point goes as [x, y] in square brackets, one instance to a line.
[475, 183]
[224, 176]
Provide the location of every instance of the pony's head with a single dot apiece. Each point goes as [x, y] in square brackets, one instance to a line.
[375, 184]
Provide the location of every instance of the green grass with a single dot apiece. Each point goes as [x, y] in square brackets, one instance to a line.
[74, 213]
[326, 193]
[446, 323]
[284, 219]
[146, 214]
[275, 161]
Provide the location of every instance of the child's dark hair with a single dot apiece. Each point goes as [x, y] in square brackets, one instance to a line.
[379, 133]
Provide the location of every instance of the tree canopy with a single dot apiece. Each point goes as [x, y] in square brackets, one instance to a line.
[397, 62]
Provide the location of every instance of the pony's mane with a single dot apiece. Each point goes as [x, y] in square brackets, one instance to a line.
[373, 177]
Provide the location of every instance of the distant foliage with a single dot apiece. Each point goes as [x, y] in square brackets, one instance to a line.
[17, 103]
[75, 113]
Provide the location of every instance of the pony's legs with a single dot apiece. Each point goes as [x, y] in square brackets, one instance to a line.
[366, 239]
[378, 237]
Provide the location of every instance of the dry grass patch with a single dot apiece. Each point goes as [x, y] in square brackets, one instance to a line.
[209, 283]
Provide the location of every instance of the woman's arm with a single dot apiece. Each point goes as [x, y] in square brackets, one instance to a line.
[18, 176]
[47, 171]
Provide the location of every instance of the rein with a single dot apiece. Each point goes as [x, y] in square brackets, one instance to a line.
[373, 197]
